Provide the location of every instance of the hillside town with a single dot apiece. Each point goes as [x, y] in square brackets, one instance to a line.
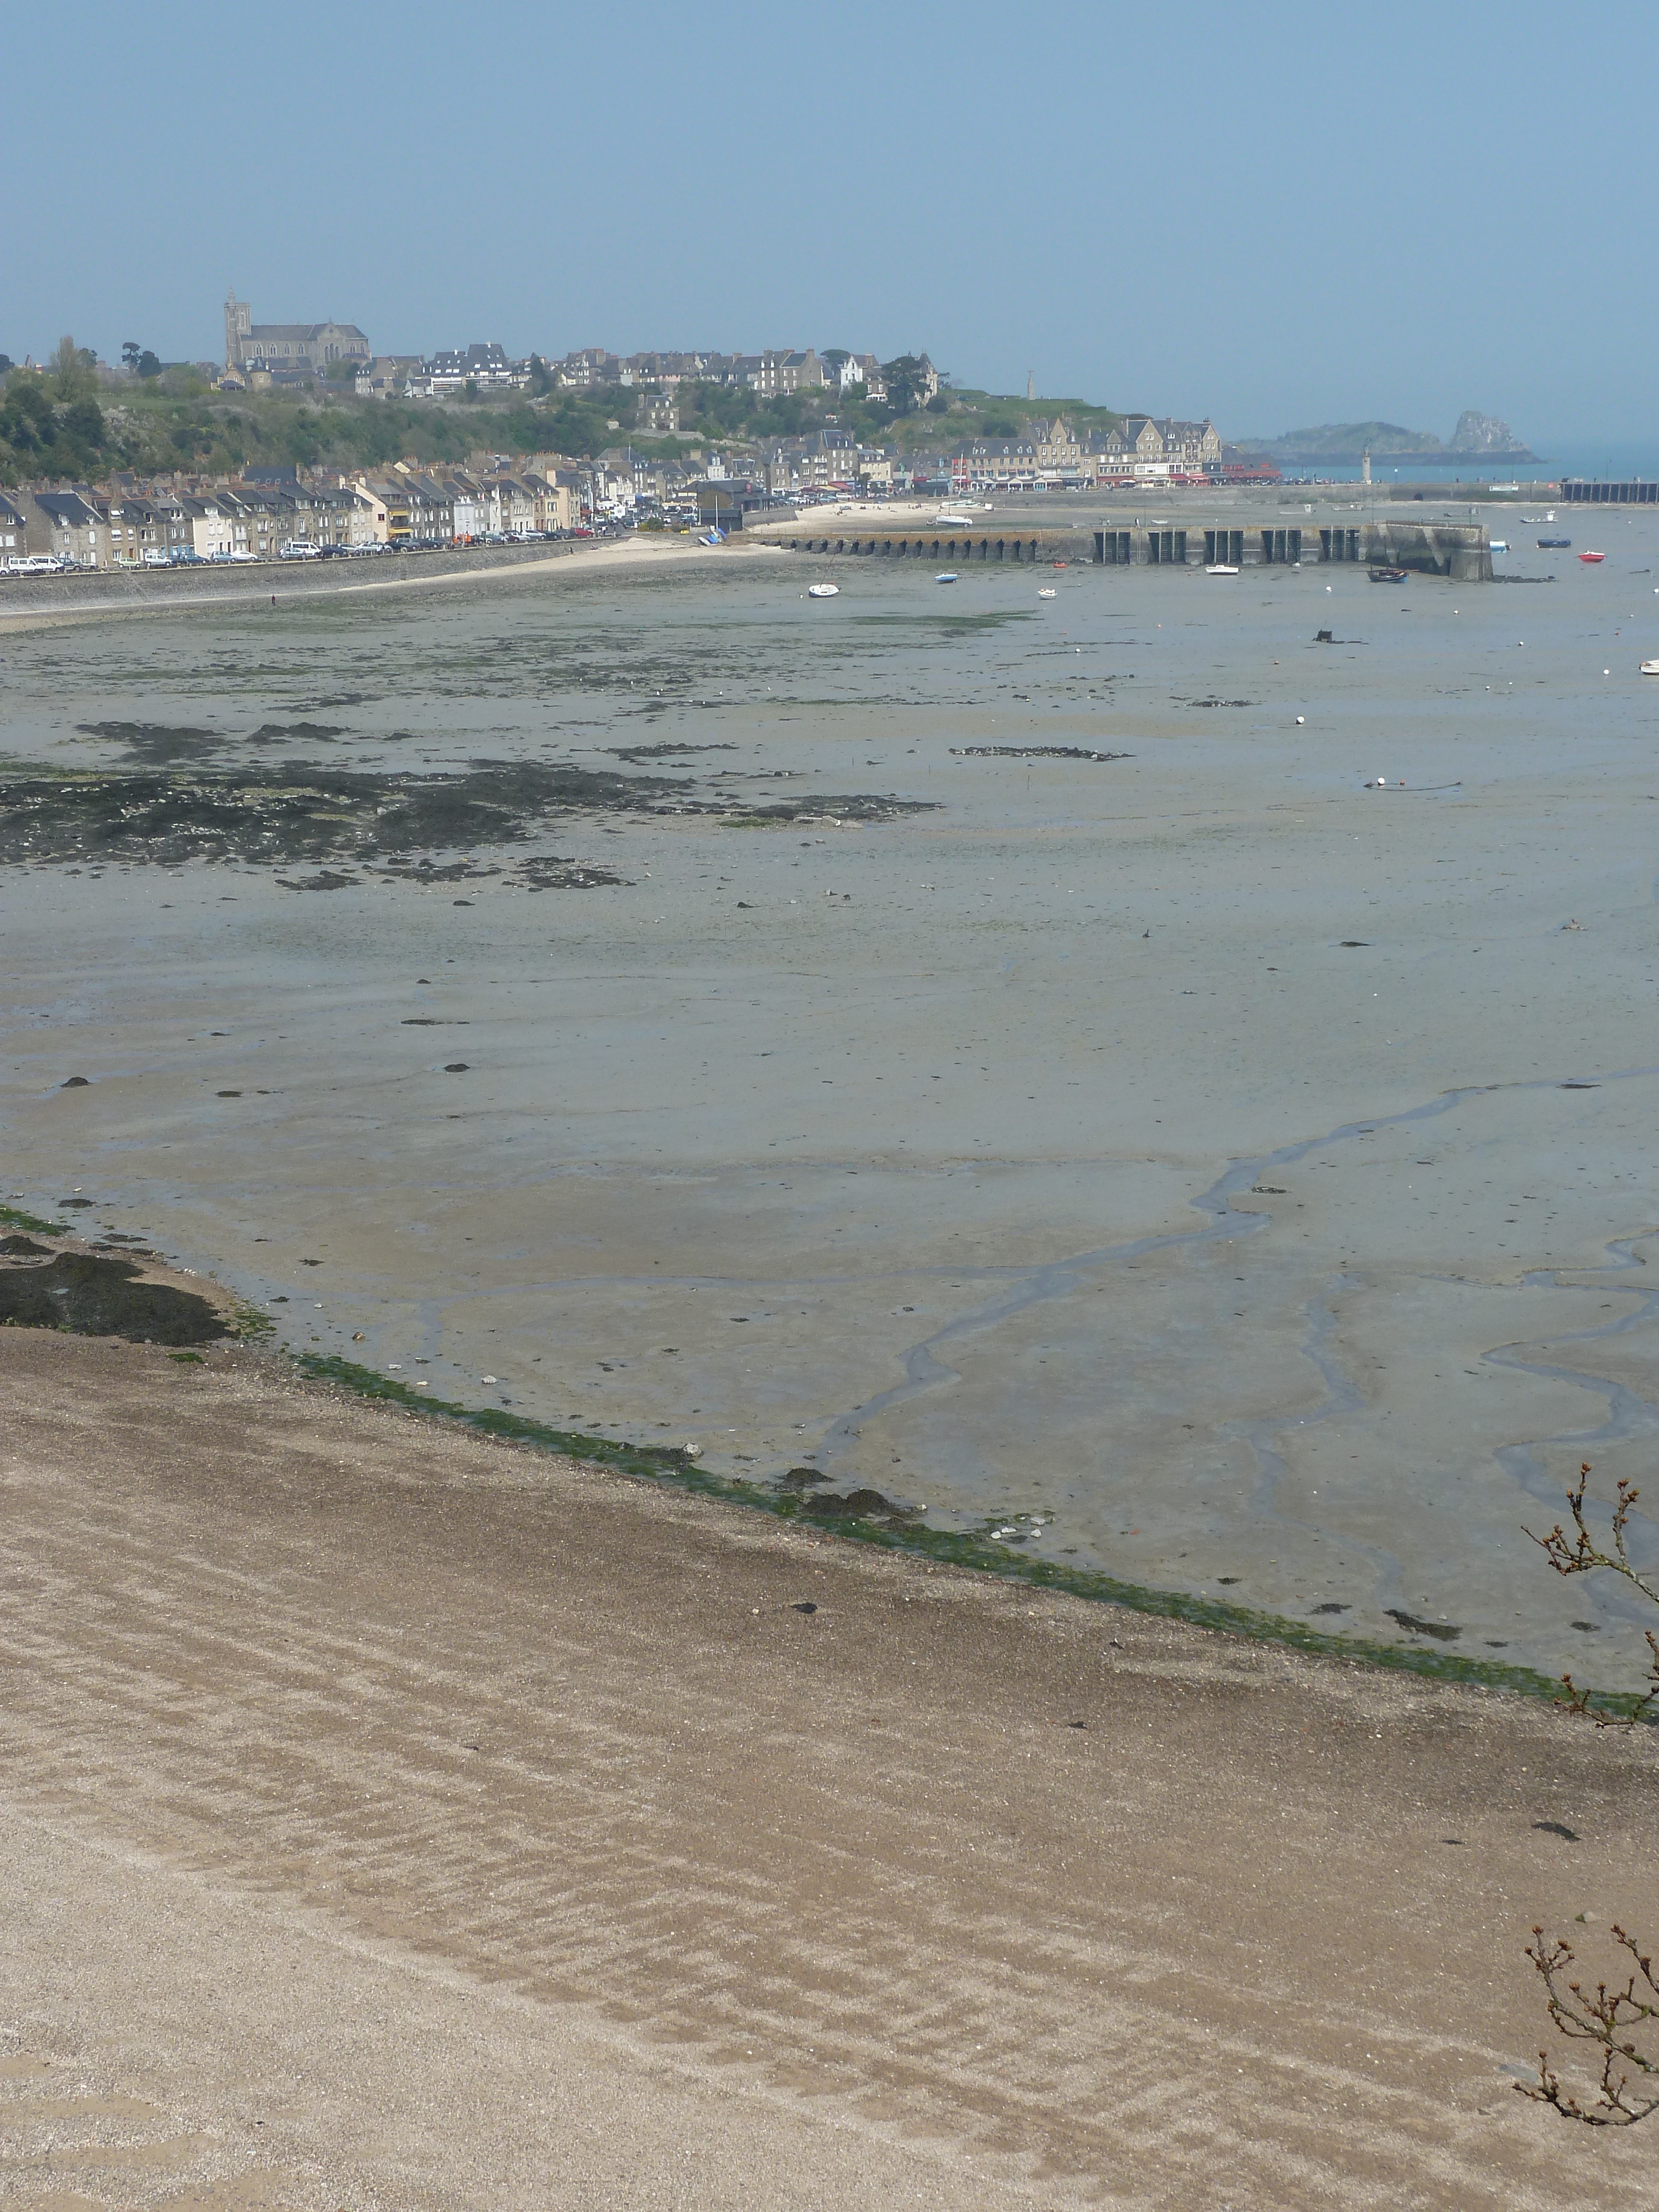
[863, 429]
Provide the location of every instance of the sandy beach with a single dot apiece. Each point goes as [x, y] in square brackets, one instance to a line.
[51, 601]
[393, 1818]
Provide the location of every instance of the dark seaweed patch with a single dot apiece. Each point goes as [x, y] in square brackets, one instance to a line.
[947, 625]
[846, 806]
[856, 1505]
[298, 812]
[1441, 1629]
[664, 751]
[89, 1297]
[428, 871]
[536, 875]
[1034, 752]
[156, 743]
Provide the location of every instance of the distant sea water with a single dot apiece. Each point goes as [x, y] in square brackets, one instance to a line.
[1621, 460]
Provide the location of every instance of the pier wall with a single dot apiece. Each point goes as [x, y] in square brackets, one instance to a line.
[1460, 550]
[1578, 491]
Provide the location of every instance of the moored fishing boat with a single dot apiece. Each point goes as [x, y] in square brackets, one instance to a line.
[1592, 556]
[1550, 544]
[1650, 668]
[1387, 575]
[945, 576]
[1220, 568]
[824, 590]
[1045, 591]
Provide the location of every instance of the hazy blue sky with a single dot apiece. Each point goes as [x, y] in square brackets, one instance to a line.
[1274, 215]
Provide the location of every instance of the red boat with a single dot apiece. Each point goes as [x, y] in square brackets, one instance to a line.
[1592, 556]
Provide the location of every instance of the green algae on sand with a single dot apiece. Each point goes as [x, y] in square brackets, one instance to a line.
[973, 1549]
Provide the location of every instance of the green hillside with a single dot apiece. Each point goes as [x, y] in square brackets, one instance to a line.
[65, 426]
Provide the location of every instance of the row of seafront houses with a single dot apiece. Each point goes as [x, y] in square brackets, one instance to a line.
[1049, 456]
[268, 513]
[1139, 449]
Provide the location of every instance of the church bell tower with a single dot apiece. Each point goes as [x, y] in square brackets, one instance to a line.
[238, 324]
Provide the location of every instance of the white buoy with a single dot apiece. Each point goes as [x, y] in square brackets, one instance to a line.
[1300, 719]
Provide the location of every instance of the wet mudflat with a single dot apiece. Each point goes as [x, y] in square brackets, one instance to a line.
[995, 1056]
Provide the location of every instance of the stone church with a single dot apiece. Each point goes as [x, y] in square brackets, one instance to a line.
[305, 346]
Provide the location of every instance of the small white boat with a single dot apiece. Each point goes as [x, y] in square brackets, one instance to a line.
[1650, 668]
[824, 590]
[1220, 568]
[960, 521]
[1045, 591]
[1499, 545]
[945, 576]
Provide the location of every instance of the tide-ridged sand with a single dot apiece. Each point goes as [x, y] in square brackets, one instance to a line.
[391, 1818]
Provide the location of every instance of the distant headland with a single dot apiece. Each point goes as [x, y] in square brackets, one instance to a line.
[1478, 437]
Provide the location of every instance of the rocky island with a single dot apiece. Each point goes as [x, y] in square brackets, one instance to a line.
[1477, 437]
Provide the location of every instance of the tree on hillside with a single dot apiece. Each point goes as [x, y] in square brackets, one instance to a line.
[1615, 2014]
[906, 381]
[72, 367]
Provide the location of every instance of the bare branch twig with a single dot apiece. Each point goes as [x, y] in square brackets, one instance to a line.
[1610, 2018]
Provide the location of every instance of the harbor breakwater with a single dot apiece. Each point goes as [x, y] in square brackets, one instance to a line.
[1461, 551]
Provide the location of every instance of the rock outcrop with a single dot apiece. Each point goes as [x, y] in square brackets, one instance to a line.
[1485, 434]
